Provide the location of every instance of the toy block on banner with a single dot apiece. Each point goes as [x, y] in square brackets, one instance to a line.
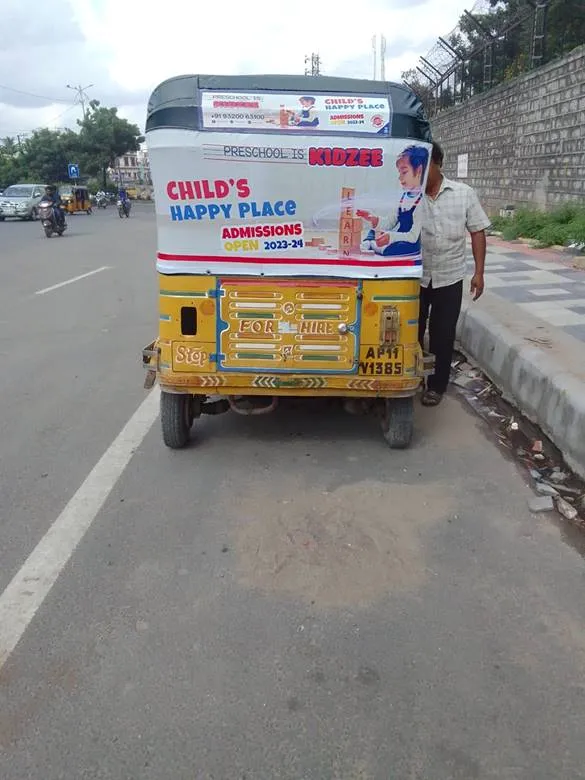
[347, 198]
[345, 235]
[346, 220]
[345, 243]
[356, 234]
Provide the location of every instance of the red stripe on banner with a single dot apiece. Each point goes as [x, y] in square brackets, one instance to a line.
[285, 261]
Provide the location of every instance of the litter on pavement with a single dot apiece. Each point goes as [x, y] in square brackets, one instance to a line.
[552, 481]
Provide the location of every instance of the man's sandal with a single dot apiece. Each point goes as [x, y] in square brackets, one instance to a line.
[431, 398]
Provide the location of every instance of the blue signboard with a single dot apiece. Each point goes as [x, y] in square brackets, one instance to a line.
[73, 170]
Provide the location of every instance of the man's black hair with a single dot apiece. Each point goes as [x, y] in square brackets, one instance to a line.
[437, 155]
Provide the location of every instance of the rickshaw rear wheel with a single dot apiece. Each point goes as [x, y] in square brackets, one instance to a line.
[398, 422]
[176, 415]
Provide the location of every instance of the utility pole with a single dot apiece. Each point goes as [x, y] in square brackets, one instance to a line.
[80, 95]
[313, 65]
[375, 51]
[383, 58]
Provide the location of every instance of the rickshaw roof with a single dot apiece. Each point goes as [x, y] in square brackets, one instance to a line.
[176, 103]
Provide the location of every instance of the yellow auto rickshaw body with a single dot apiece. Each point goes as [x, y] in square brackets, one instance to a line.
[289, 337]
[280, 272]
[75, 199]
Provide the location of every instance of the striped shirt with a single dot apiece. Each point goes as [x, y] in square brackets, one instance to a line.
[446, 218]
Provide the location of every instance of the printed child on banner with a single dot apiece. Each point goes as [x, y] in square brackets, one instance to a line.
[305, 119]
[399, 234]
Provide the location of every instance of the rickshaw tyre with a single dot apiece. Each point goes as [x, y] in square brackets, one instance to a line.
[176, 416]
[398, 422]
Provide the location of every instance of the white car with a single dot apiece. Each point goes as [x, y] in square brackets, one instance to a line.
[21, 201]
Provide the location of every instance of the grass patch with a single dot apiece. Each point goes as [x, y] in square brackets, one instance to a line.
[561, 226]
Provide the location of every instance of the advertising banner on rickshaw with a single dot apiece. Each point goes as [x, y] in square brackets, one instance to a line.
[294, 113]
[248, 202]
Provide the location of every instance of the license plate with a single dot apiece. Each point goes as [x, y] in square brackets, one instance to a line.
[381, 361]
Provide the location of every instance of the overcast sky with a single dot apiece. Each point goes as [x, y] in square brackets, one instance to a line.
[126, 48]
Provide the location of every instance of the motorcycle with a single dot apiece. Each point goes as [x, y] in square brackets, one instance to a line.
[49, 219]
[123, 208]
[101, 202]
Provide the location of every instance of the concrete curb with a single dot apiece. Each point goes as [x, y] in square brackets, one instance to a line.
[537, 383]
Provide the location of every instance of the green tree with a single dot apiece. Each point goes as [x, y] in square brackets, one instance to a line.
[103, 137]
[10, 169]
[46, 153]
[511, 25]
[566, 26]
[501, 32]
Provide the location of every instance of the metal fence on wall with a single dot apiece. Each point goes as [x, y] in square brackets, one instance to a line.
[492, 43]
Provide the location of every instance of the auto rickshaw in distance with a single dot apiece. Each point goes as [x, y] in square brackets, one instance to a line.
[75, 199]
[289, 258]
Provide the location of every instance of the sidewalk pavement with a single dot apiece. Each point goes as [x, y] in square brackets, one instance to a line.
[527, 333]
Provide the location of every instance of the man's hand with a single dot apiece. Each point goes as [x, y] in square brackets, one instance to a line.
[477, 286]
[478, 246]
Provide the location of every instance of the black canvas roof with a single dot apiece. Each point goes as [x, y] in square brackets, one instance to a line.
[176, 103]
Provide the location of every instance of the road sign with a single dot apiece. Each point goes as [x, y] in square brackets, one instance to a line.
[73, 170]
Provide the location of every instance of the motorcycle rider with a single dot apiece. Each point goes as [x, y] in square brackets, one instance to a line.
[124, 199]
[52, 195]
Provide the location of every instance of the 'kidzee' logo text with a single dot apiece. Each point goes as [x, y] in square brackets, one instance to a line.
[351, 158]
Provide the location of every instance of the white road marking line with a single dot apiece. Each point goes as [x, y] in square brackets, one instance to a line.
[31, 585]
[70, 281]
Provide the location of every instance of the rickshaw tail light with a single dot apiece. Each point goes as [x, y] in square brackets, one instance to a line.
[188, 320]
[389, 326]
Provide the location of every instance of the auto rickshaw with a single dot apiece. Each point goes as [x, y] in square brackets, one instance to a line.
[289, 257]
[75, 199]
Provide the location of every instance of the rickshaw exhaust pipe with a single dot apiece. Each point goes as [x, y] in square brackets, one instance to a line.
[242, 404]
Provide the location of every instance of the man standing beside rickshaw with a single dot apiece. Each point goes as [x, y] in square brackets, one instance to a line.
[450, 209]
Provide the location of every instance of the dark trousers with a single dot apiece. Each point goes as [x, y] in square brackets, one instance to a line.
[440, 307]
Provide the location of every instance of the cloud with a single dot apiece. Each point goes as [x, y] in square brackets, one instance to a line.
[126, 50]
[41, 59]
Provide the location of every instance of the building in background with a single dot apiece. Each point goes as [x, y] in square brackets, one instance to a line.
[132, 169]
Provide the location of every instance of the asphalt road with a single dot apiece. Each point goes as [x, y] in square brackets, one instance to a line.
[286, 598]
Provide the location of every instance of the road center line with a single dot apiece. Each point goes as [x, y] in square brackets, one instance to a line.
[70, 281]
[32, 583]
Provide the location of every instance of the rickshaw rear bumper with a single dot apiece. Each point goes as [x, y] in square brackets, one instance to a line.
[150, 361]
[260, 384]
